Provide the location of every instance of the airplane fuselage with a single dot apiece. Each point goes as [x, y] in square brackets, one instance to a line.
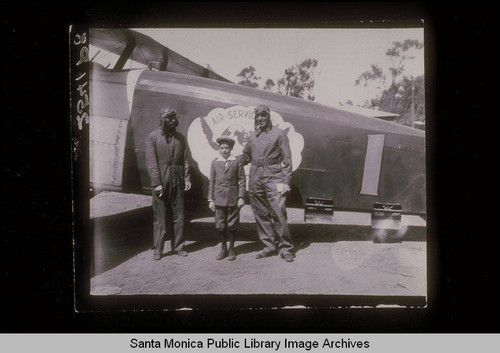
[353, 159]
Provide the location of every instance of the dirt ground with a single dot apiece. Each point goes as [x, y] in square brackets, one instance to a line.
[339, 259]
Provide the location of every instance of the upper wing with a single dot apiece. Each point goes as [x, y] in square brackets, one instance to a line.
[136, 46]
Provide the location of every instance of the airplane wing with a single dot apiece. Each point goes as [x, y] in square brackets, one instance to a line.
[371, 113]
[136, 46]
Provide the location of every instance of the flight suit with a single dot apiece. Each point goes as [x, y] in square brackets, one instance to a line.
[269, 152]
[226, 186]
[167, 164]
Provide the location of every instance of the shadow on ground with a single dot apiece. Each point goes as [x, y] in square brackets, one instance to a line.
[120, 237]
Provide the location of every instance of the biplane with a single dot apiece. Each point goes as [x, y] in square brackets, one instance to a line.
[342, 160]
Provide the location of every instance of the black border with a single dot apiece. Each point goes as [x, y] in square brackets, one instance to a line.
[462, 91]
[83, 232]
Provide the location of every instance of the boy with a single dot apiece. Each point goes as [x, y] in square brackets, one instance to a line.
[226, 190]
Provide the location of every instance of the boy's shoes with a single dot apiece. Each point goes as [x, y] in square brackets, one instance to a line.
[222, 255]
[156, 256]
[182, 253]
[232, 255]
[264, 254]
[287, 257]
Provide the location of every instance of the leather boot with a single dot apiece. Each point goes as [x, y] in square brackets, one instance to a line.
[232, 253]
[223, 252]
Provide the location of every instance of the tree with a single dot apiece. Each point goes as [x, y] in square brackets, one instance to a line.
[374, 78]
[249, 77]
[269, 84]
[412, 93]
[347, 102]
[403, 96]
[366, 77]
[399, 99]
[400, 53]
[298, 80]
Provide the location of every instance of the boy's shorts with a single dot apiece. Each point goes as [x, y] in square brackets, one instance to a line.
[227, 217]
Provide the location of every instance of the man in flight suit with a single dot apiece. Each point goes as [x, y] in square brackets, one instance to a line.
[269, 151]
[167, 162]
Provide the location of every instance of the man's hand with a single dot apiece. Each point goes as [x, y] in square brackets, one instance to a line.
[283, 188]
[187, 186]
[211, 205]
[241, 202]
[159, 191]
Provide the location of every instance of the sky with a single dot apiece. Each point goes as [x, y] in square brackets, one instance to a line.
[342, 54]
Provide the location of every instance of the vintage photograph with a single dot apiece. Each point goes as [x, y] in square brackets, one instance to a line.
[255, 162]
